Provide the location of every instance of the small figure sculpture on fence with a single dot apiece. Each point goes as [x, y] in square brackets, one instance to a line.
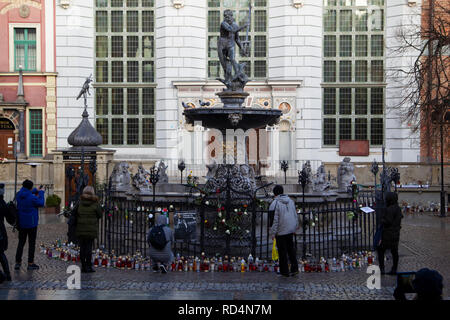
[345, 174]
[140, 179]
[163, 178]
[320, 182]
[120, 177]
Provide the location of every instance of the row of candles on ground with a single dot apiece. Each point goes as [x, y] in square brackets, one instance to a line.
[69, 252]
[415, 208]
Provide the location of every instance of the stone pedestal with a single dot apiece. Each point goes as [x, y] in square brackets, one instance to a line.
[232, 99]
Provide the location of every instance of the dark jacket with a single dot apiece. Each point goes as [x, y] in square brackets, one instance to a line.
[165, 255]
[88, 214]
[27, 206]
[391, 221]
[10, 218]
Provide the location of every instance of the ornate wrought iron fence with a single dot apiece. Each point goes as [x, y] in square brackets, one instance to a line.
[331, 228]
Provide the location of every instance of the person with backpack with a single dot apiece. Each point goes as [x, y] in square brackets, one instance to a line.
[160, 239]
[285, 223]
[5, 213]
[28, 215]
[88, 213]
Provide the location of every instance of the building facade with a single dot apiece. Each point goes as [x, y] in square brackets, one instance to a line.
[27, 78]
[326, 64]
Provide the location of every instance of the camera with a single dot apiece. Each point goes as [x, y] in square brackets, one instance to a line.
[405, 282]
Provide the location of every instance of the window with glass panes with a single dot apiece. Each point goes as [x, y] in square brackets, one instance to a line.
[35, 131]
[124, 71]
[256, 62]
[25, 49]
[353, 71]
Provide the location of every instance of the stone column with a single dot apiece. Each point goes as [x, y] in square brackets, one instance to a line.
[401, 144]
[75, 44]
[51, 113]
[295, 53]
[180, 41]
[104, 159]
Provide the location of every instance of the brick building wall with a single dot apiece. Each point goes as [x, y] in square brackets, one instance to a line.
[430, 139]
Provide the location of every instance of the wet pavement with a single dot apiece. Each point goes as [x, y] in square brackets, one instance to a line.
[424, 243]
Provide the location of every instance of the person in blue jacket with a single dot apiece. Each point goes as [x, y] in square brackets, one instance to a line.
[27, 206]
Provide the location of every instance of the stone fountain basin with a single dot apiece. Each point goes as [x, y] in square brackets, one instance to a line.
[218, 118]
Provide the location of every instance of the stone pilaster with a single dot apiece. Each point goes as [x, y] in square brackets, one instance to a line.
[180, 41]
[50, 111]
[59, 174]
[104, 159]
[295, 53]
[75, 49]
[401, 144]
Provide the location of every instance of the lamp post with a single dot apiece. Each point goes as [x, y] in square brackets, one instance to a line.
[181, 167]
[441, 120]
[303, 180]
[284, 166]
[154, 178]
[16, 153]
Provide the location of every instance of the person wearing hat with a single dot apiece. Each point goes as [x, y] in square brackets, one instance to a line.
[88, 214]
[427, 284]
[5, 213]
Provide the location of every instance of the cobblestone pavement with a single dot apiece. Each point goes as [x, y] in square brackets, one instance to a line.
[424, 243]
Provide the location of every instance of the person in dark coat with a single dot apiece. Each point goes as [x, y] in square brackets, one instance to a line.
[161, 258]
[5, 213]
[391, 222]
[27, 206]
[88, 214]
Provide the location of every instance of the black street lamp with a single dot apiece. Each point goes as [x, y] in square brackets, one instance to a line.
[284, 166]
[181, 167]
[154, 178]
[303, 178]
[16, 153]
[444, 119]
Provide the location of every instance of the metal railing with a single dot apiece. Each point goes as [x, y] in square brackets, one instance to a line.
[326, 229]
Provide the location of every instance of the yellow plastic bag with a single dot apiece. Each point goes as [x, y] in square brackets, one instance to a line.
[274, 250]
